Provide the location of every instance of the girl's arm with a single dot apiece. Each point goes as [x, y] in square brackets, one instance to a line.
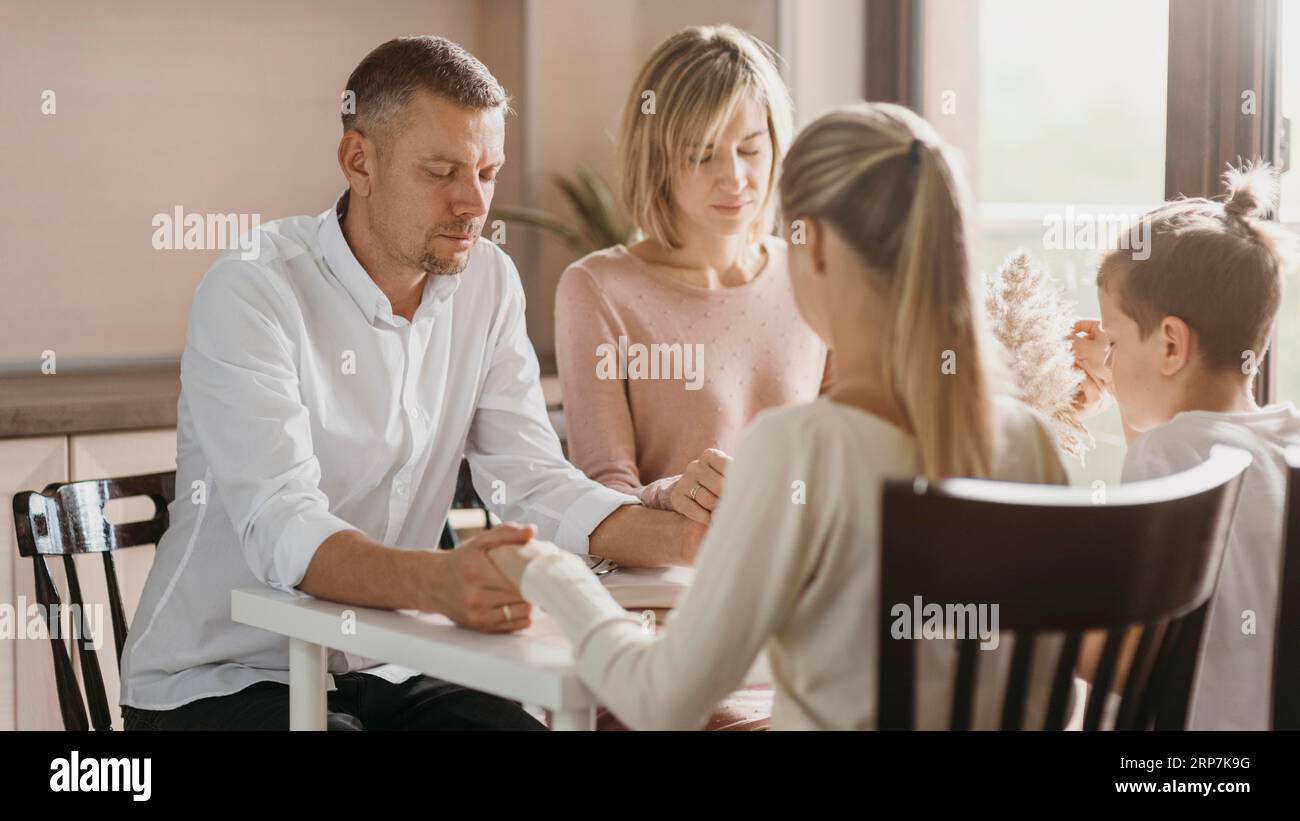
[757, 556]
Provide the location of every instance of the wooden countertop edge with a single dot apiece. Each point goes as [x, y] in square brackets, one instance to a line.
[107, 401]
[88, 402]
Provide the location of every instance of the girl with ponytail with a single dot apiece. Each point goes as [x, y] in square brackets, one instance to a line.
[875, 192]
[874, 218]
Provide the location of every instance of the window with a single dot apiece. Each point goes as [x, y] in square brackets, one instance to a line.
[1287, 341]
[1059, 110]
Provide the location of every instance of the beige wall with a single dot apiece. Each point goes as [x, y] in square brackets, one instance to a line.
[217, 107]
[823, 44]
[952, 71]
[234, 108]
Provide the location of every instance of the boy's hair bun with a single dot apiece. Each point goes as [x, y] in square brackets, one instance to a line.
[1252, 191]
[1216, 264]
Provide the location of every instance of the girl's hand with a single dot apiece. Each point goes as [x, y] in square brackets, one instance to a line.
[1090, 346]
[696, 492]
[512, 559]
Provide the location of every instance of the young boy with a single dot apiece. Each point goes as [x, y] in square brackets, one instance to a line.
[1180, 337]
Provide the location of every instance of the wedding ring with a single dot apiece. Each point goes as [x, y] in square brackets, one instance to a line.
[505, 610]
[694, 490]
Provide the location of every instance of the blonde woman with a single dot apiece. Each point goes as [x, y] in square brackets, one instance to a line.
[667, 348]
[883, 275]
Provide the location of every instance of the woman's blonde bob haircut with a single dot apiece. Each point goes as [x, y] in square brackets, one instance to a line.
[683, 99]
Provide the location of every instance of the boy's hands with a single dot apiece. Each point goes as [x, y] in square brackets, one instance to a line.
[1090, 343]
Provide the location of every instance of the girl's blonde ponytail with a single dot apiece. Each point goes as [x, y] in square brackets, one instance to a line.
[879, 175]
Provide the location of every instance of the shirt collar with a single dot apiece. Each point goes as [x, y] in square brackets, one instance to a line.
[438, 289]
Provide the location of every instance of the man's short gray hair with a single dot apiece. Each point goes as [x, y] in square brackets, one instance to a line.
[386, 79]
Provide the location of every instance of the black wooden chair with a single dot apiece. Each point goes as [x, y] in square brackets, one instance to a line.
[465, 497]
[65, 520]
[1286, 646]
[1055, 561]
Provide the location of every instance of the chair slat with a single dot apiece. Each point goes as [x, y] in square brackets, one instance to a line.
[963, 696]
[1139, 674]
[1063, 682]
[1184, 637]
[896, 672]
[448, 539]
[1101, 680]
[1160, 672]
[100, 717]
[116, 609]
[1013, 704]
[70, 704]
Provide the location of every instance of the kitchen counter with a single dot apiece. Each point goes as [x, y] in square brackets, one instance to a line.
[90, 402]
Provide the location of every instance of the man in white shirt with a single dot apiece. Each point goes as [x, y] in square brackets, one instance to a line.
[330, 387]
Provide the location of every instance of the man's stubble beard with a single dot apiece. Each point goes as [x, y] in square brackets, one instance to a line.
[430, 262]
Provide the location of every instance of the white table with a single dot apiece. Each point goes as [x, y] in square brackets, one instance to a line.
[533, 666]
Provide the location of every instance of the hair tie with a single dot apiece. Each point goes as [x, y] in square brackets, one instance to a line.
[914, 151]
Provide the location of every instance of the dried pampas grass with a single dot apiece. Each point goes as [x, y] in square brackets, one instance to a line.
[1034, 322]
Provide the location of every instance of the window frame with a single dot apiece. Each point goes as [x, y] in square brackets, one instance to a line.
[1217, 51]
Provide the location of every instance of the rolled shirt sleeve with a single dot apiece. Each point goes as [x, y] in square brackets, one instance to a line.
[515, 458]
[241, 387]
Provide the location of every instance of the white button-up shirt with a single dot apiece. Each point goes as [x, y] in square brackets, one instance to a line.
[307, 407]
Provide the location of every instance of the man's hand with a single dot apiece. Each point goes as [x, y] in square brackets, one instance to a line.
[1090, 344]
[696, 492]
[467, 587]
[463, 584]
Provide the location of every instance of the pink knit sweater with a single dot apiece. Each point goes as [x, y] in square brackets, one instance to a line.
[654, 370]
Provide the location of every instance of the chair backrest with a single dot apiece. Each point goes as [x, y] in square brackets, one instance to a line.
[1286, 646]
[67, 519]
[1060, 560]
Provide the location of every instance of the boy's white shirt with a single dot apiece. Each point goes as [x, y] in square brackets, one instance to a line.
[1232, 685]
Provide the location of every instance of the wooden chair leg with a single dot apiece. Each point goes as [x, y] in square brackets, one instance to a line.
[100, 716]
[117, 611]
[70, 704]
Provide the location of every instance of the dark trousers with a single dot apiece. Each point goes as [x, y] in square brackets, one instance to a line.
[361, 702]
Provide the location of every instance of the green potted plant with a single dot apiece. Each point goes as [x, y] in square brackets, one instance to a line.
[597, 221]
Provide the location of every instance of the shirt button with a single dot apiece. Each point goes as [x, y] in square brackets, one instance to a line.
[402, 488]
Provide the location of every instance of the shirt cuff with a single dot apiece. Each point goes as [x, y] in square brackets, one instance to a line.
[299, 540]
[582, 517]
[561, 584]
